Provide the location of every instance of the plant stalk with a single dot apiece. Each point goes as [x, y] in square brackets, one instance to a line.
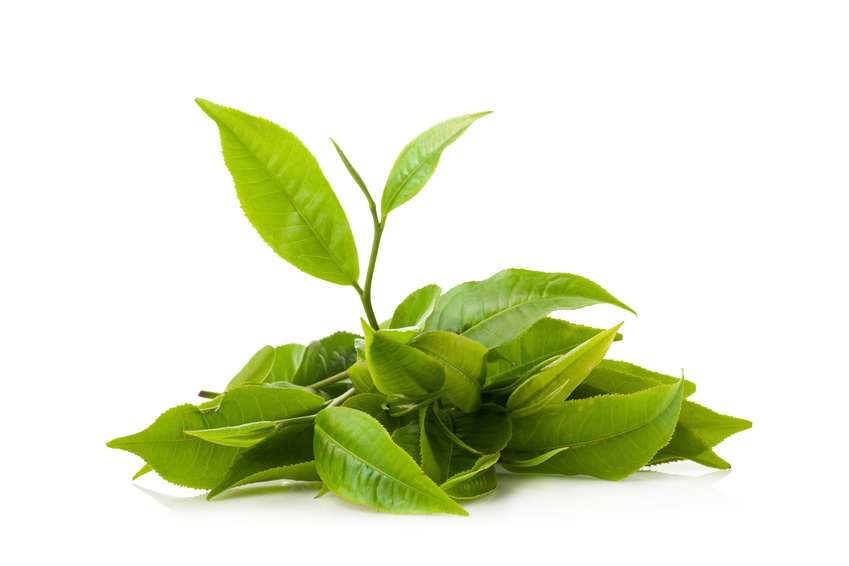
[375, 245]
[330, 380]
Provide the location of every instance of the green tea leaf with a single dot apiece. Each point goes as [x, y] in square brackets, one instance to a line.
[543, 341]
[398, 369]
[241, 436]
[418, 160]
[372, 404]
[326, 357]
[554, 382]
[463, 360]
[145, 469]
[285, 196]
[608, 437]
[475, 482]
[486, 431]
[411, 315]
[287, 360]
[192, 462]
[686, 442]
[256, 370]
[361, 378]
[689, 386]
[499, 309]
[358, 461]
[286, 454]
[409, 438]
[436, 447]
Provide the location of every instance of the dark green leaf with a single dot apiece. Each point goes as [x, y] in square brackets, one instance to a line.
[475, 482]
[285, 196]
[486, 431]
[372, 404]
[437, 448]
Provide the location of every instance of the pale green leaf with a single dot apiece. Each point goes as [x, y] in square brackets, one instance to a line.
[418, 160]
[553, 383]
[542, 342]
[499, 309]
[144, 469]
[411, 315]
[256, 370]
[358, 461]
[475, 482]
[285, 195]
[241, 436]
[287, 360]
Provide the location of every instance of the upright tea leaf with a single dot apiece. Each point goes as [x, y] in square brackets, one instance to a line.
[418, 160]
[463, 360]
[358, 461]
[287, 454]
[554, 382]
[542, 342]
[360, 377]
[436, 446]
[498, 309]
[326, 357]
[486, 431]
[189, 461]
[256, 370]
[608, 437]
[411, 315]
[285, 196]
[398, 369]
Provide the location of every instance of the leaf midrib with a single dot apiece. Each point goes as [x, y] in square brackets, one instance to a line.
[292, 202]
[373, 467]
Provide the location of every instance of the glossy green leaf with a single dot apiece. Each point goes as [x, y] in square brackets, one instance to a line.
[326, 357]
[287, 360]
[372, 404]
[286, 454]
[358, 461]
[418, 160]
[256, 370]
[497, 310]
[189, 461]
[411, 315]
[608, 437]
[398, 369]
[554, 382]
[354, 174]
[542, 342]
[475, 482]
[463, 360]
[285, 195]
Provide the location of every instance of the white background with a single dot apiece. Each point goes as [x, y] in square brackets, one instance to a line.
[689, 157]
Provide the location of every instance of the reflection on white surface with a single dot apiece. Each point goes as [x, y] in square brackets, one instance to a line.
[690, 486]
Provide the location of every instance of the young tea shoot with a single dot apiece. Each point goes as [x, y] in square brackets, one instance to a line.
[412, 415]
